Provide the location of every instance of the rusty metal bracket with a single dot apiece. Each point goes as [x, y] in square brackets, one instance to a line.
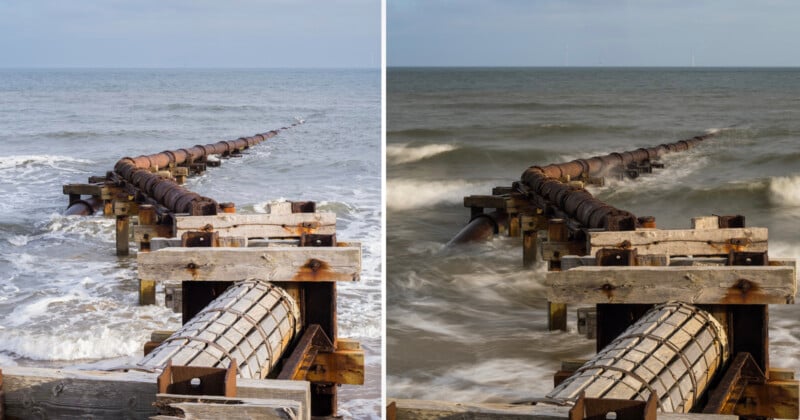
[600, 409]
[748, 258]
[199, 239]
[616, 257]
[196, 380]
[726, 222]
[312, 239]
[743, 369]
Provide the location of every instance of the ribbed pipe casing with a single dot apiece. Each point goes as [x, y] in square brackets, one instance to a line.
[252, 321]
[674, 350]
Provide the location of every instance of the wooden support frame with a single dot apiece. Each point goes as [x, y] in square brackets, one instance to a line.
[692, 284]
[312, 264]
[674, 242]
[281, 225]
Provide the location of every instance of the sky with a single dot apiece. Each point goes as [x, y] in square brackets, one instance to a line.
[190, 33]
[593, 33]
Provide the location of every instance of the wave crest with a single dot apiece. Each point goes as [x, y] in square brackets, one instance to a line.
[403, 153]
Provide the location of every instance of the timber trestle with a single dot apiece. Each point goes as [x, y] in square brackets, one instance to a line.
[680, 316]
[257, 293]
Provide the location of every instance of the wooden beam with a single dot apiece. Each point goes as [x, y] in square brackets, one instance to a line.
[697, 285]
[297, 365]
[681, 241]
[431, 410]
[213, 407]
[270, 264]
[773, 399]
[57, 393]
[486, 201]
[259, 225]
[82, 189]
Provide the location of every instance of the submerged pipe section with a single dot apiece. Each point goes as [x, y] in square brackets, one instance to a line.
[480, 228]
[674, 350]
[84, 207]
[169, 193]
[579, 203]
[252, 322]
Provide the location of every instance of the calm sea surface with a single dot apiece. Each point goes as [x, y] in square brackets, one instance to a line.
[470, 325]
[67, 300]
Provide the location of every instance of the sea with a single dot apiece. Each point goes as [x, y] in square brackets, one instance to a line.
[66, 299]
[469, 323]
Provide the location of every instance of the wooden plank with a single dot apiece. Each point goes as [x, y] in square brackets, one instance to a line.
[259, 225]
[57, 393]
[151, 232]
[774, 399]
[681, 241]
[269, 264]
[431, 410]
[698, 285]
[341, 367]
[705, 222]
[781, 374]
[486, 201]
[214, 407]
[279, 207]
[161, 243]
[82, 189]
[553, 250]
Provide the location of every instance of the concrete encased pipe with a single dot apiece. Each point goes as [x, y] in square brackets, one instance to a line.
[674, 350]
[253, 322]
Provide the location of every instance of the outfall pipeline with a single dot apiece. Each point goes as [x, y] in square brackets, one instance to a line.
[138, 171]
[546, 183]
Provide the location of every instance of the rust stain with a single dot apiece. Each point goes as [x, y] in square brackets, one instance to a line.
[301, 228]
[608, 290]
[193, 270]
[316, 270]
[743, 291]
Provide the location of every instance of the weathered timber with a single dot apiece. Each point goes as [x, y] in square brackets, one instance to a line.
[341, 367]
[214, 407]
[554, 250]
[681, 241]
[486, 201]
[259, 225]
[700, 285]
[434, 410]
[82, 189]
[143, 233]
[57, 393]
[268, 264]
[705, 222]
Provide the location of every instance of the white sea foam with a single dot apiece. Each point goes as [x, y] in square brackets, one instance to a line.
[52, 161]
[406, 194]
[403, 153]
[785, 190]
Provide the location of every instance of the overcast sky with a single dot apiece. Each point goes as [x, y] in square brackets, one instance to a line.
[190, 33]
[593, 33]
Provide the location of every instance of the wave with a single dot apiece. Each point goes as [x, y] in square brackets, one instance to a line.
[422, 132]
[206, 107]
[407, 194]
[29, 161]
[521, 106]
[403, 153]
[784, 191]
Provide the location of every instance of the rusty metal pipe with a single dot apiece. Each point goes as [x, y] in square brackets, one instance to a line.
[481, 228]
[84, 207]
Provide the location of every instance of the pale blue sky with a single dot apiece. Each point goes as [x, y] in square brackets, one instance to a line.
[190, 33]
[593, 33]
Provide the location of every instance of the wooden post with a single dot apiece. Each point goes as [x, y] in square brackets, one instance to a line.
[556, 316]
[147, 292]
[122, 211]
[529, 247]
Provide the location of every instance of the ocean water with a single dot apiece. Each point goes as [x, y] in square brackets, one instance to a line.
[469, 324]
[66, 300]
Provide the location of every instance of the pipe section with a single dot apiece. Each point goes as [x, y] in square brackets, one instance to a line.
[138, 171]
[83, 207]
[252, 321]
[674, 350]
[580, 204]
[480, 228]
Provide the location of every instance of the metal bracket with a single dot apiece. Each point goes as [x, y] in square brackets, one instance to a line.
[196, 380]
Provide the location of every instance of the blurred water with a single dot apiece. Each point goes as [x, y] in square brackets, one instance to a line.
[470, 325]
